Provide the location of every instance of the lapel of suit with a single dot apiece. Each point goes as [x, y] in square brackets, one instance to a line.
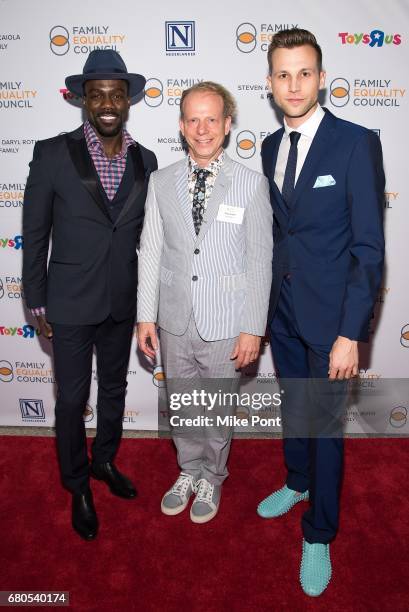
[139, 180]
[78, 150]
[272, 165]
[221, 186]
[319, 146]
[183, 203]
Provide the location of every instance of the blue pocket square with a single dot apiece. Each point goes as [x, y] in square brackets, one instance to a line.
[324, 181]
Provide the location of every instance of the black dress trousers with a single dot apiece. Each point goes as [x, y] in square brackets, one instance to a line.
[73, 349]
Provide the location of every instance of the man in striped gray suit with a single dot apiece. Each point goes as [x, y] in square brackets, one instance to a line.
[204, 279]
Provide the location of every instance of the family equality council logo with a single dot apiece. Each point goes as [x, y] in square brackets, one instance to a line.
[83, 39]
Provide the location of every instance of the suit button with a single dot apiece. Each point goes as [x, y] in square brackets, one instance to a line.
[114, 230]
[194, 278]
[291, 232]
[196, 251]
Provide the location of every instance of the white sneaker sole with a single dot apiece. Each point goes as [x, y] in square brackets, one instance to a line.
[205, 518]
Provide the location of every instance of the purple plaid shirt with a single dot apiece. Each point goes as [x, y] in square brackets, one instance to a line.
[110, 169]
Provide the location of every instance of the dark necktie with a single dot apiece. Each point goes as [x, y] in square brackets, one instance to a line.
[199, 197]
[289, 176]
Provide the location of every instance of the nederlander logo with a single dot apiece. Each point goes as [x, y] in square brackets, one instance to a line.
[180, 38]
[13, 94]
[83, 39]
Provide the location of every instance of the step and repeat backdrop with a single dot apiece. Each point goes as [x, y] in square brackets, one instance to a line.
[176, 44]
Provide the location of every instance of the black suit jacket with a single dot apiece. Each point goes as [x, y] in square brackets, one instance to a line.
[92, 271]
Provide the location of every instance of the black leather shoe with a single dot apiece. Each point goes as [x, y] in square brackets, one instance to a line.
[84, 517]
[118, 483]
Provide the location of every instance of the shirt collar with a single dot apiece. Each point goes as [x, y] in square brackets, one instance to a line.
[309, 127]
[213, 167]
[94, 143]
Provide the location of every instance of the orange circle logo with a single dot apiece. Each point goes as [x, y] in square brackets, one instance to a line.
[404, 336]
[153, 92]
[6, 371]
[246, 40]
[159, 378]
[59, 40]
[398, 417]
[339, 92]
[88, 413]
[245, 144]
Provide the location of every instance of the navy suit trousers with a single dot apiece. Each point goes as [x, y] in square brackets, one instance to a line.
[313, 462]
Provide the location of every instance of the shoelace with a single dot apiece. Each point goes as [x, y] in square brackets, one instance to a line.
[182, 484]
[204, 491]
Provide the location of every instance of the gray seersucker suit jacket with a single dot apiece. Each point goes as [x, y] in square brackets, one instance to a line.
[223, 274]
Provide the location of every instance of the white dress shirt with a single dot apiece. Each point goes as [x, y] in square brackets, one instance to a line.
[308, 129]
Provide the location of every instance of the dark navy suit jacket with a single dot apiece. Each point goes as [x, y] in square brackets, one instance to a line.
[330, 239]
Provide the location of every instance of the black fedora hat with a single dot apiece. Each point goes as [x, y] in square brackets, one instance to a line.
[105, 64]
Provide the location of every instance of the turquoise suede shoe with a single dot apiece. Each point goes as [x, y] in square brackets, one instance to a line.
[316, 570]
[279, 502]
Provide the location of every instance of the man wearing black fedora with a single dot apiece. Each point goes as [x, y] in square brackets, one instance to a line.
[87, 189]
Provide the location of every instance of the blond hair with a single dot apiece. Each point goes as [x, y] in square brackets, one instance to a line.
[229, 103]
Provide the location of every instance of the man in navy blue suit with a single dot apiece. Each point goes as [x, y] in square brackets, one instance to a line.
[327, 189]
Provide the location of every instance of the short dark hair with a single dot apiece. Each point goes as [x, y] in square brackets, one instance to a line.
[288, 39]
[229, 103]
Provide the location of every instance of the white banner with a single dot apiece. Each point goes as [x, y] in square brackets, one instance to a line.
[366, 54]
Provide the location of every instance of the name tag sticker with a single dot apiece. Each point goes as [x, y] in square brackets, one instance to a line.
[230, 214]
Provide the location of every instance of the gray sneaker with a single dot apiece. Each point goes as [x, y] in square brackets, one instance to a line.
[206, 503]
[177, 498]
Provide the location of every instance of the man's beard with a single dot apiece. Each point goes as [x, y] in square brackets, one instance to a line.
[108, 131]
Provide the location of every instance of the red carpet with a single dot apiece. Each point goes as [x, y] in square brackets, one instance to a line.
[145, 561]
